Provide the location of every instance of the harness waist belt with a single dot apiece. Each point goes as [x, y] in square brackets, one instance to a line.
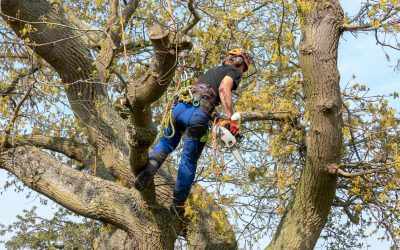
[204, 97]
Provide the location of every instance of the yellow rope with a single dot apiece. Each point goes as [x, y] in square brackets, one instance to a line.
[171, 13]
[168, 119]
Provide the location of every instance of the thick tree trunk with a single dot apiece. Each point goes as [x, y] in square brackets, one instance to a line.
[306, 216]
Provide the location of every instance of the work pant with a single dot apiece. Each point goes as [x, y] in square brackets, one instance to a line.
[193, 122]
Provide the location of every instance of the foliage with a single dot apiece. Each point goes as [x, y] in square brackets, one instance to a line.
[63, 231]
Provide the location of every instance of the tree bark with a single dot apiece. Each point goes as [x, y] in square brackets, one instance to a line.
[307, 214]
[122, 144]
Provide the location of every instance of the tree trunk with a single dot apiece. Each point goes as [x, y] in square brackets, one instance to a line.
[307, 214]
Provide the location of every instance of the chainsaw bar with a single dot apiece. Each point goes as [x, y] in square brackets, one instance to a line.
[228, 140]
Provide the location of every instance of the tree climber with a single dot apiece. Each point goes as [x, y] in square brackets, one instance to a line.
[192, 117]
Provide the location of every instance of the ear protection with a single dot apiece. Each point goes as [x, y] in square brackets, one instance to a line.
[238, 61]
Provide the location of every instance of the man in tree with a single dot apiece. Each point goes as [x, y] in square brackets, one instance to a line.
[192, 117]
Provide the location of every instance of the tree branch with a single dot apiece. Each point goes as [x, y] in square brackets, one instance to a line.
[355, 28]
[7, 90]
[136, 46]
[156, 80]
[374, 168]
[369, 27]
[150, 87]
[366, 172]
[360, 12]
[81, 193]
[352, 140]
[384, 44]
[14, 117]
[72, 149]
[262, 116]
[110, 45]
[194, 21]
[72, 61]
[129, 11]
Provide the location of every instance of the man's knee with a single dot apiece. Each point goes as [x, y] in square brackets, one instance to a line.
[159, 157]
[197, 131]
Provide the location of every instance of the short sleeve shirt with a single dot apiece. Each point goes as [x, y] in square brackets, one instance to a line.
[215, 75]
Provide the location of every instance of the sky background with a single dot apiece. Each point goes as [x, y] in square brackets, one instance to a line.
[359, 56]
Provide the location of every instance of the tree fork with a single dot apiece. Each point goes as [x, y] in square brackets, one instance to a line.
[307, 214]
[63, 48]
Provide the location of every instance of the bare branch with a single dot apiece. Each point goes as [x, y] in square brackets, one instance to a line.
[369, 171]
[353, 144]
[369, 27]
[14, 117]
[14, 56]
[360, 12]
[373, 168]
[194, 21]
[382, 43]
[354, 28]
[73, 149]
[4, 92]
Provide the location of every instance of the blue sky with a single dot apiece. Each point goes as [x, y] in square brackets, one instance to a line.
[357, 56]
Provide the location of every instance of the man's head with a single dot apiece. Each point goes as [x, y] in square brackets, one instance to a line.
[238, 58]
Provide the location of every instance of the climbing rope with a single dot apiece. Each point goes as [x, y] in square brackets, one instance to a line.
[168, 120]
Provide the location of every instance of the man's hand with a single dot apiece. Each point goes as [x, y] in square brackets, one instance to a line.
[231, 125]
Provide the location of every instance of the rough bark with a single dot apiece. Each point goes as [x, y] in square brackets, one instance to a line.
[306, 216]
[73, 149]
[150, 87]
[66, 52]
[121, 144]
[87, 195]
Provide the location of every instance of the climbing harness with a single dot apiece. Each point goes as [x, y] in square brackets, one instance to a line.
[199, 95]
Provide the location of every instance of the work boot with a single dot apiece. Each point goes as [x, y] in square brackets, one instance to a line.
[144, 177]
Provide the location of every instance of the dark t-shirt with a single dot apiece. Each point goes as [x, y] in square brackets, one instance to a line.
[215, 75]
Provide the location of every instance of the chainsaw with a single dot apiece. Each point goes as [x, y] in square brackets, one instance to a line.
[227, 140]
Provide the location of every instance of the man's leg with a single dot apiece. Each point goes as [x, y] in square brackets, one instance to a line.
[193, 145]
[160, 152]
[162, 149]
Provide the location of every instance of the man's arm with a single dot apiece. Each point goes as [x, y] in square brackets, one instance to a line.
[225, 94]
